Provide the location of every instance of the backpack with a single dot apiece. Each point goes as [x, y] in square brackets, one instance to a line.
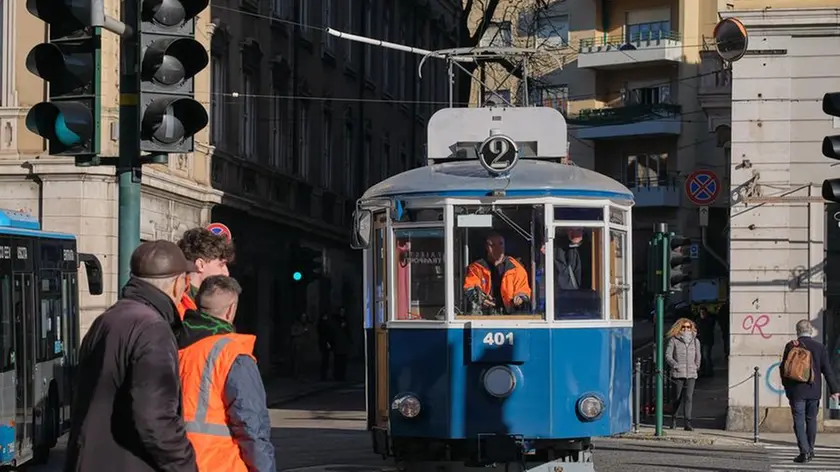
[798, 364]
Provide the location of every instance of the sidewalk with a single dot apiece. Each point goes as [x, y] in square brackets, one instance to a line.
[282, 390]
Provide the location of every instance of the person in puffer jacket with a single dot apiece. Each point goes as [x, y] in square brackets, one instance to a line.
[682, 353]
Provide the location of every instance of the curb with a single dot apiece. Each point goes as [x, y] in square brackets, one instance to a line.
[700, 440]
[306, 392]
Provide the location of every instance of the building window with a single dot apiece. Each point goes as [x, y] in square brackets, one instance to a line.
[497, 35]
[552, 96]
[248, 128]
[402, 72]
[499, 98]
[303, 140]
[406, 165]
[368, 33]
[648, 31]
[303, 16]
[276, 127]
[351, 28]
[280, 8]
[386, 158]
[218, 86]
[367, 152]
[387, 53]
[647, 170]
[326, 152]
[349, 163]
[327, 14]
[647, 95]
[552, 28]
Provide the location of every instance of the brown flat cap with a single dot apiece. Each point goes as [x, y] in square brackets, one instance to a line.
[158, 260]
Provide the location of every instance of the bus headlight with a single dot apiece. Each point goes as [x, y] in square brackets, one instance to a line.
[590, 407]
[408, 405]
[499, 381]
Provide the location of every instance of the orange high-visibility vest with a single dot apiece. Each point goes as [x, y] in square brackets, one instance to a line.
[204, 368]
[186, 303]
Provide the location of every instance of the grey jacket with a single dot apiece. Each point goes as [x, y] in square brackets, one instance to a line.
[684, 358]
[248, 419]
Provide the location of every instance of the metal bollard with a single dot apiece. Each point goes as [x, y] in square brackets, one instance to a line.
[637, 388]
[756, 376]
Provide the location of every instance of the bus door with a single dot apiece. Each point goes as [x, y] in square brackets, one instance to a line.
[23, 296]
[69, 330]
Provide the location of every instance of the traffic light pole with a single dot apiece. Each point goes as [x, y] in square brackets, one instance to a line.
[660, 335]
[128, 164]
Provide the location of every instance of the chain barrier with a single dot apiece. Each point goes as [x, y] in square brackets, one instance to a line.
[644, 392]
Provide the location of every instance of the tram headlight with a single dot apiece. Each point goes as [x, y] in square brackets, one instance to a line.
[590, 407]
[499, 381]
[408, 405]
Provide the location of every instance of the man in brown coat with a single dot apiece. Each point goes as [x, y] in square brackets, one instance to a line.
[126, 414]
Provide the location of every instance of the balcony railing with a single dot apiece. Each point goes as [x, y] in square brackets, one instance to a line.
[625, 114]
[658, 181]
[637, 40]
[656, 191]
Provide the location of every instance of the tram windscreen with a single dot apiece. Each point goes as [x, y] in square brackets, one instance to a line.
[498, 261]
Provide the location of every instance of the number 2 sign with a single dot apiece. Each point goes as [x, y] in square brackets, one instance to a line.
[498, 339]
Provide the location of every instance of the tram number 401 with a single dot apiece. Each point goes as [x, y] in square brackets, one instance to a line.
[498, 339]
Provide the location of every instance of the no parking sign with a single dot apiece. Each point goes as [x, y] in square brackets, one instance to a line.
[219, 230]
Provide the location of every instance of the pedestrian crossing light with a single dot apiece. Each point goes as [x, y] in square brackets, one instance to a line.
[676, 271]
[831, 147]
[69, 63]
[170, 59]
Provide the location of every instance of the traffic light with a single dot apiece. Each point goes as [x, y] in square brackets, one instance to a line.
[306, 264]
[69, 62]
[170, 59]
[676, 272]
[831, 147]
[656, 264]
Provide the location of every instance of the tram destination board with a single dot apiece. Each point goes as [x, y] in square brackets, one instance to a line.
[498, 154]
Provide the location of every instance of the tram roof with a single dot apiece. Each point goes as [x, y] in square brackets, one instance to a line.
[530, 178]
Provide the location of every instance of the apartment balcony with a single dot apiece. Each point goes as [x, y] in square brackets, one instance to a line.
[662, 119]
[715, 82]
[664, 191]
[619, 52]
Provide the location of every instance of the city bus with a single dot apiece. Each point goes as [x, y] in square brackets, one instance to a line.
[39, 334]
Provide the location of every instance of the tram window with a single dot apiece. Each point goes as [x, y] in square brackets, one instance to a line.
[419, 215]
[50, 342]
[498, 262]
[618, 217]
[619, 288]
[7, 340]
[419, 274]
[578, 214]
[578, 276]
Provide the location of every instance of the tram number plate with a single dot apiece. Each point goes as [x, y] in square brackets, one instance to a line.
[498, 339]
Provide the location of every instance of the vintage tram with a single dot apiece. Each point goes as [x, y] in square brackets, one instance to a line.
[497, 299]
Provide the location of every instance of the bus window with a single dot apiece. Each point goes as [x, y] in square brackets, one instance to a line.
[7, 340]
[50, 343]
[578, 274]
[498, 262]
[419, 274]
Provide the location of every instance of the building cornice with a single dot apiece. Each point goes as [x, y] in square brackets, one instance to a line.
[781, 21]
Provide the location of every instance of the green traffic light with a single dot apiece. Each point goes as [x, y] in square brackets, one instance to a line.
[297, 276]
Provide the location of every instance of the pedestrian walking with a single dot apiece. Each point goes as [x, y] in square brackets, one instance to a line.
[223, 394]
[126, 411]
[325, 343]
[683, 355]
[706, 336]
[804, 363]
[211, 254]
[342, 343]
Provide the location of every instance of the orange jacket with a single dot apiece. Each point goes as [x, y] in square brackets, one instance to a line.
[203, 399]
[514, 279]
[186, 303]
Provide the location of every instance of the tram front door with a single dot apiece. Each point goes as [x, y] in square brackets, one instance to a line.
[380, 317]
[24, 318]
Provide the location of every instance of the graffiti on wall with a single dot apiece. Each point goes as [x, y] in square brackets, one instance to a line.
[755, 324]
[773, 379]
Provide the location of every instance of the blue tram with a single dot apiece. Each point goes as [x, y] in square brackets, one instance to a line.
[497, 299]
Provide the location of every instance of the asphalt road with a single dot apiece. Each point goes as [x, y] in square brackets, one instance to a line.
[329, 429]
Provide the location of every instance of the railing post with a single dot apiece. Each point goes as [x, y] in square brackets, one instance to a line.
[637, 388]
[756, 376]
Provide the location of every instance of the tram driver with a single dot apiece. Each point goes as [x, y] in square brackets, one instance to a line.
[497, 284]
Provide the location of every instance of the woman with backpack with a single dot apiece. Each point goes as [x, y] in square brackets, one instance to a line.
[682, 353]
